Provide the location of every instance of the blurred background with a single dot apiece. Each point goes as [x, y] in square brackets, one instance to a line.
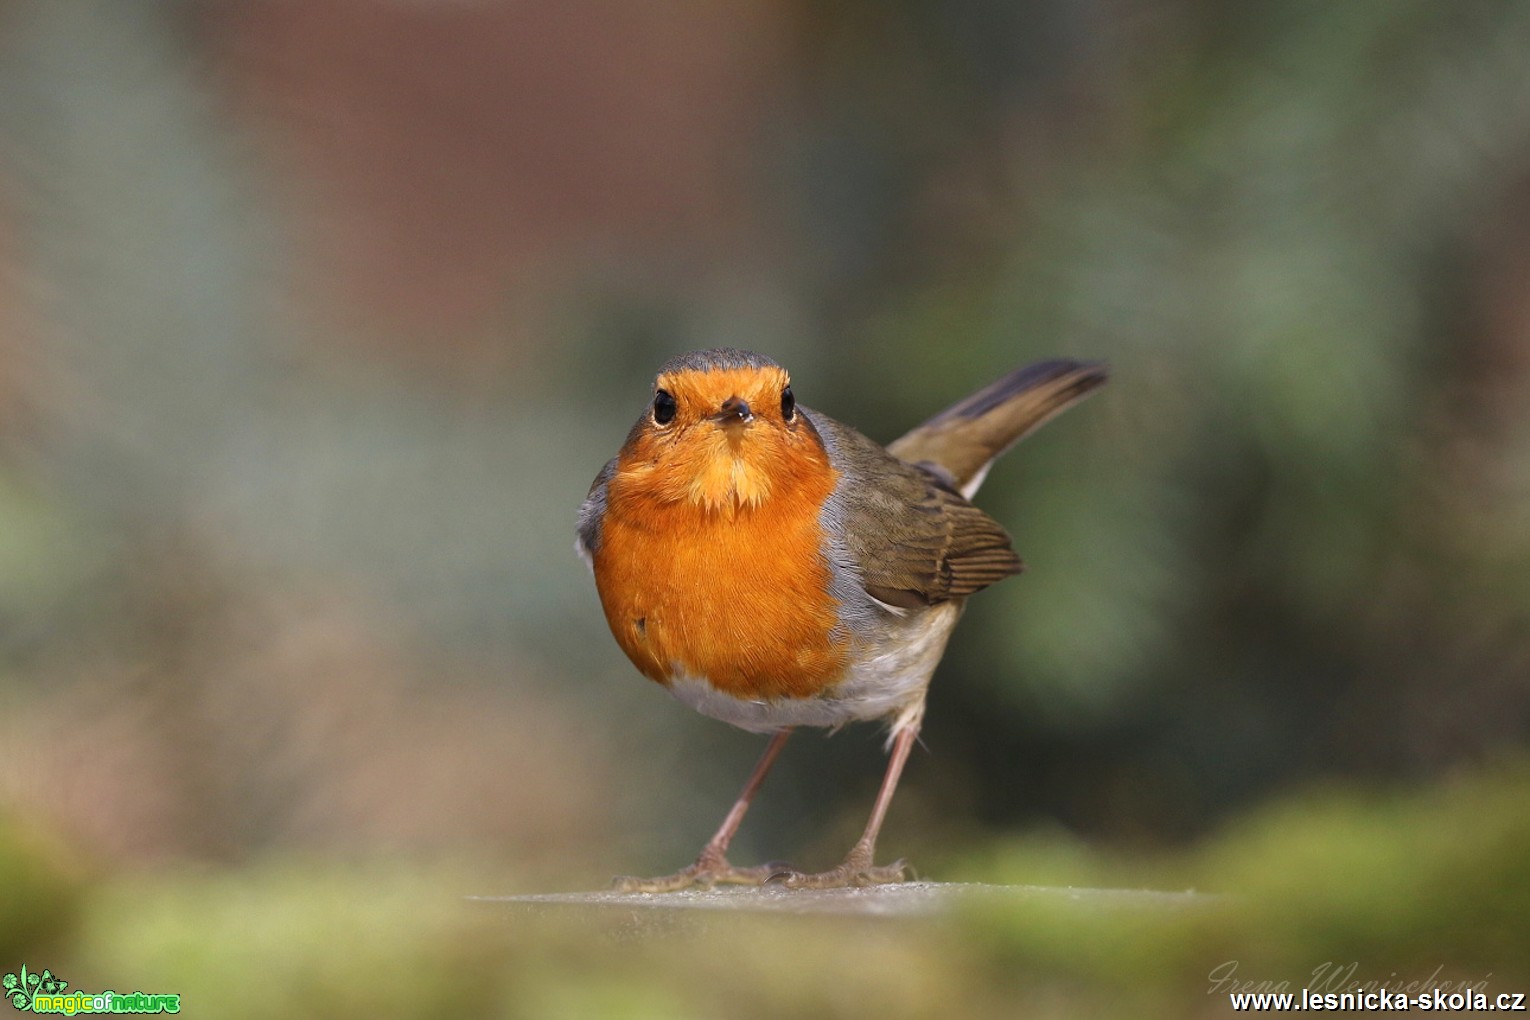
[316, 321]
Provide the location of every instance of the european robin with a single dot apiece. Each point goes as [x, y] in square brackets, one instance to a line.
[774, 568]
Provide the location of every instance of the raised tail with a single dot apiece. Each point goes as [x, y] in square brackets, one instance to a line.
[964, 440]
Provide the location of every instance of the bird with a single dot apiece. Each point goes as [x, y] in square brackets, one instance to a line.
[774, 568]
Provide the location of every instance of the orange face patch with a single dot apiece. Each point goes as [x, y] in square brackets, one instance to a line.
[710, 558]
[696, 458]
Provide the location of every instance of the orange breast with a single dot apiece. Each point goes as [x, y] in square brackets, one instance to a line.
[738, 596]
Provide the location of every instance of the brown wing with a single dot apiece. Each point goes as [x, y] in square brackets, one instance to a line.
[915, 540]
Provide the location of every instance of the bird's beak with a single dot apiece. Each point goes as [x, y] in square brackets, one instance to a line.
[734, 412]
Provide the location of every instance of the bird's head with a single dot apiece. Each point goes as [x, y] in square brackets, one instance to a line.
[723, 432]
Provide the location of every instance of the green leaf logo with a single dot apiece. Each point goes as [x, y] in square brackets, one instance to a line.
[21, 989]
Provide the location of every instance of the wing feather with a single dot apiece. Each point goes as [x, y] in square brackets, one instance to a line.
[915, 539]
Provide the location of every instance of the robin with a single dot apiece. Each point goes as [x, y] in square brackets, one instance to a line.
[774, 568]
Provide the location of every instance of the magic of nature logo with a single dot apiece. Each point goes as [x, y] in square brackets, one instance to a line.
[32, 992]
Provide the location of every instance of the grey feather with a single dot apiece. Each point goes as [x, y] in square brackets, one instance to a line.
[587, 540]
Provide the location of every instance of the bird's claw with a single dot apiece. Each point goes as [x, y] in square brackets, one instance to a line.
[705, 873]
[849, 875]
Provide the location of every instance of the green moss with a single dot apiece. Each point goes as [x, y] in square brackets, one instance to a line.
[294, 939]
[1377, 887]
[41, 886]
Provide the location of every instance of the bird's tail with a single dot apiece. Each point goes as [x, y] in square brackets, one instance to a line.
[964, 440]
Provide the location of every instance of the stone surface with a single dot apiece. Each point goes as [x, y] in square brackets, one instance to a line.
[907, 900]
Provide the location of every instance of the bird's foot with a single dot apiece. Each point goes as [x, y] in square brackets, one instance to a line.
[709, 870]
[846, 877]
[856, 871]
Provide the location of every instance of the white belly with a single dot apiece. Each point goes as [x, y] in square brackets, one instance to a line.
[887, 679]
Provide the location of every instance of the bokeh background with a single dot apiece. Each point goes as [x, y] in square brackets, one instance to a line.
[316, 321]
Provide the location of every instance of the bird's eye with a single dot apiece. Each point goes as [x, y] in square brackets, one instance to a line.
[663, 408]
[788, 404]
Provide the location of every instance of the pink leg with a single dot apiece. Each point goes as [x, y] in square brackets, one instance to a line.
[859, 865]
[903, 743]
[718, 844]
[712, 865]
